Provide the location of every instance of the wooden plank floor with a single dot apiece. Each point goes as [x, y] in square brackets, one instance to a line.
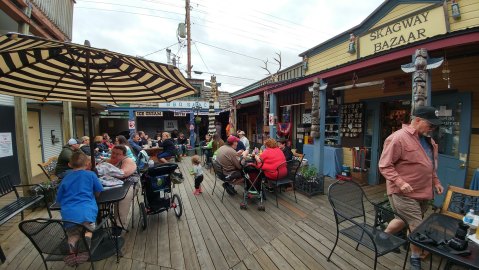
[213, 234]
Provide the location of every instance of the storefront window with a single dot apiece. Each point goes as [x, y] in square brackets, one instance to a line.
[447, 136]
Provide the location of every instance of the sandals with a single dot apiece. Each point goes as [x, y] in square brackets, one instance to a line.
[74, 260]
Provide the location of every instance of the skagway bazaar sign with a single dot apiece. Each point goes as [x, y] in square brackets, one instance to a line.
[407, 30]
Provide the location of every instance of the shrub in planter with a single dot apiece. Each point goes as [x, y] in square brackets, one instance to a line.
[309, 182]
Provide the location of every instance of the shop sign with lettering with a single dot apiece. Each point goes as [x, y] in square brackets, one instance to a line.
[409, 29]
[180, 114]
[148, 113]
[181, 104]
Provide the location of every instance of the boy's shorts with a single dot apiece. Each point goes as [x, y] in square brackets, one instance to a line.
[77, 229]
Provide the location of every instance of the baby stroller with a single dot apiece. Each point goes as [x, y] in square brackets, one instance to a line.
[156, 186]
[253, 186]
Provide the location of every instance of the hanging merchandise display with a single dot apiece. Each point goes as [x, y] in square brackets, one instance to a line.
[351, 120]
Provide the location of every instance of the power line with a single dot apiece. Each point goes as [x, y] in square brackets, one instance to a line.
[129, 12]
[201, 57]
[219, 48]
[264, 13]
[224, 75]
[182, 14]
[296, 46]
[130, 6]
[160, 49]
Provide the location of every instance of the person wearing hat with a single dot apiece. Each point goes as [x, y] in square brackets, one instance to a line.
[409, 164]
[64, 158]
[243, 139]
[227, 157]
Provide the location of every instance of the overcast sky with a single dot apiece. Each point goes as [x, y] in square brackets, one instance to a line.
[230, 39]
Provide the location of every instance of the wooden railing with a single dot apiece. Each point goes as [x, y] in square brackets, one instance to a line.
[59, 12]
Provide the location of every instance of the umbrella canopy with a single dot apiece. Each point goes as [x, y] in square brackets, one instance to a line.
[43, 69]
[48, 70]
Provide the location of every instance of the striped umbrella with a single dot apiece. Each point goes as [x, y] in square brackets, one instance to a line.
[48, 70]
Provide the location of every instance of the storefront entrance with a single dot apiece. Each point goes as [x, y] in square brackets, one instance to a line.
[453, 137]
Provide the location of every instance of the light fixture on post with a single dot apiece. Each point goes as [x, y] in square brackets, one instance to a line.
[455, 10]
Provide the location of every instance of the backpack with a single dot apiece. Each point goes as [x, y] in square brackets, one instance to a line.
[142, 160]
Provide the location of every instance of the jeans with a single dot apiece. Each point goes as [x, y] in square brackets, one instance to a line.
[182, 149]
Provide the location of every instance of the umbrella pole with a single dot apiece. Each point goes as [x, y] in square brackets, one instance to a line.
[90, 128]
[89, 110]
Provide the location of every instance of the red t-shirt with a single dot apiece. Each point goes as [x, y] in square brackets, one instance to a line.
[272, 158]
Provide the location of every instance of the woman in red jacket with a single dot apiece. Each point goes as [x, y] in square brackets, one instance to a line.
[270, 160]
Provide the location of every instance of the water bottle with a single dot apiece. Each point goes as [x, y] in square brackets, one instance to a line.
[469, 218]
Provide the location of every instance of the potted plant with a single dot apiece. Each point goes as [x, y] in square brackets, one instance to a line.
[309, 182]
[48, 189]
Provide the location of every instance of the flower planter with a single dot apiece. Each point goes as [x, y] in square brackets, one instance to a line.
[48, 190]
[310, 186]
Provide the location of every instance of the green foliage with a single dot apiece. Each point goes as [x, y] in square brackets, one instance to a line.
[308, 172]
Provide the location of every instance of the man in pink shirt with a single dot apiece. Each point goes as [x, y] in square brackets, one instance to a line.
[409, 163]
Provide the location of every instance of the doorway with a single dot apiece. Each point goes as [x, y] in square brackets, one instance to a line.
[34, 141]
[79, 125]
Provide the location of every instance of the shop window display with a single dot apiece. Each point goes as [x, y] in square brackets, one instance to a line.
[447, 135]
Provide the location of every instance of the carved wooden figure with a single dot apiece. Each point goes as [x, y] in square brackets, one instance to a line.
[420, 68]
[315, 111]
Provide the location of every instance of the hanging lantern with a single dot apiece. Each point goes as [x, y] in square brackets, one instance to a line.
[456, 11]
[352, 44]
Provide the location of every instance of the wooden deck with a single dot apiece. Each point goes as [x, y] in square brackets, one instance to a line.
[218, 235]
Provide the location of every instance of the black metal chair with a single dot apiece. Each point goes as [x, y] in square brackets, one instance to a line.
[292, 167]
[49, 237]
[347, 199]
[219, 175]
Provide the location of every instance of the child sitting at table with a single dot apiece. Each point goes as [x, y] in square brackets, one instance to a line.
[197, 172]
[76, 196]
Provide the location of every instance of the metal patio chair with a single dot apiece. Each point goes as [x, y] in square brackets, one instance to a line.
[347, 199]
[49, 237]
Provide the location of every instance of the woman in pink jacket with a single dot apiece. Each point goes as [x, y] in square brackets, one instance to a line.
[270, 160]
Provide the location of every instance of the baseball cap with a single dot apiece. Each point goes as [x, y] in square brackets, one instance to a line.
[428, 113]
[73, 141]
[231, 139]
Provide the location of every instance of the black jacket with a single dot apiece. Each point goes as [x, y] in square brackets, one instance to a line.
[169, 146]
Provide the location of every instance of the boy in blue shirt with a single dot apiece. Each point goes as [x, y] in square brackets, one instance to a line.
[76, 196]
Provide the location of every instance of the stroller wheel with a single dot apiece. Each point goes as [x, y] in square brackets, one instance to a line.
[177, 205]
[261, 208]
[143, 216]
[243, 206]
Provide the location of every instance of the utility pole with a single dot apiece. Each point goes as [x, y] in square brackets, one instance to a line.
[188, 39]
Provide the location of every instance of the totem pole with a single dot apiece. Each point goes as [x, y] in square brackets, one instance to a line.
[421, 81]
[211, 111]
[315, 111]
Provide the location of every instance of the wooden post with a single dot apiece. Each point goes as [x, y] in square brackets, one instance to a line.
[21, 122]
[67, 125]
[23, 149]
